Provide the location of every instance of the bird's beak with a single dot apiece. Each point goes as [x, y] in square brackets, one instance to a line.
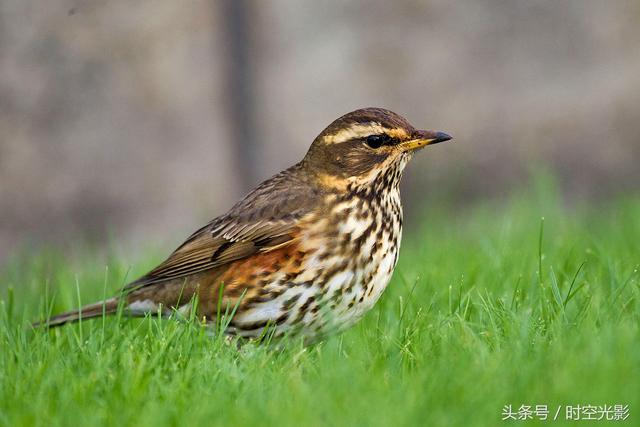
[422, 138]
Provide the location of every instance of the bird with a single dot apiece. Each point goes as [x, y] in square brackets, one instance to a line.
[308, 252]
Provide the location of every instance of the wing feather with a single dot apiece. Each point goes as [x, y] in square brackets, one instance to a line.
[208, 249]
[267, 218]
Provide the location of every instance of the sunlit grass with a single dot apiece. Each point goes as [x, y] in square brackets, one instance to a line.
[489, 306]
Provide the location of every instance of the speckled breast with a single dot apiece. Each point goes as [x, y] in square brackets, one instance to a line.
[369, 233]
[346, 259]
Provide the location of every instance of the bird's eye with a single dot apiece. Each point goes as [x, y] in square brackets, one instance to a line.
[377, 141]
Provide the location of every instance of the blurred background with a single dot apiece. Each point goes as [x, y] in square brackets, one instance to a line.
[137, 122]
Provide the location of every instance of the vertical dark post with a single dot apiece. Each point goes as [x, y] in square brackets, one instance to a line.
[236, 18]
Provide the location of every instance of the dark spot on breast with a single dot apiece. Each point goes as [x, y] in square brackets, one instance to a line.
[304, 307]
[258, 300]
[291, 276]
[337, 294]
[290, 302]
[324, 256]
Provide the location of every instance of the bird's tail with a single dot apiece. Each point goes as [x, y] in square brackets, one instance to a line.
[97, 309]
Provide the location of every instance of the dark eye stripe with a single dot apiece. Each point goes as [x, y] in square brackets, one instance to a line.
[377, 141]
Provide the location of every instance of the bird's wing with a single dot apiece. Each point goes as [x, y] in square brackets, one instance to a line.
[219, 244]
[266, 219]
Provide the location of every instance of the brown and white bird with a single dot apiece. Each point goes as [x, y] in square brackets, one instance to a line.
[308, 252]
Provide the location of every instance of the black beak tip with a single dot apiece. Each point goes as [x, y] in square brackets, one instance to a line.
[442, 137]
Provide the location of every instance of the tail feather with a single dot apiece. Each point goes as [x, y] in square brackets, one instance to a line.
[87, 312]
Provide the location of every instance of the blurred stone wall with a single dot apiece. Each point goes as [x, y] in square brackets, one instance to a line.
[115, 121]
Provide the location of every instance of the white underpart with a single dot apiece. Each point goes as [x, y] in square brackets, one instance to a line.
[338, 280]
[354, 226]
[266, 310]
[141, 307]
[382, 266]
[378, 267]
[185, 309]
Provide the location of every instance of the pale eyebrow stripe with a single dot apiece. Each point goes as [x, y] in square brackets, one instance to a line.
[359, 131]
[355, 131]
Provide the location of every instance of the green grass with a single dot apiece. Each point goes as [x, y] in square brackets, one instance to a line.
[489, 306]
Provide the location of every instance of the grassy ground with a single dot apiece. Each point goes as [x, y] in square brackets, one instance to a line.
[488, 307]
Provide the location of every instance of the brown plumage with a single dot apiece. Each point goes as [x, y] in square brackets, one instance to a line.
[309, 251]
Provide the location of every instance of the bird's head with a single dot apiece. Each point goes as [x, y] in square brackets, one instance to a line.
[363, 145]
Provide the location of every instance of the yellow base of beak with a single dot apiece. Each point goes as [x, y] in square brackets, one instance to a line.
[424, 138]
